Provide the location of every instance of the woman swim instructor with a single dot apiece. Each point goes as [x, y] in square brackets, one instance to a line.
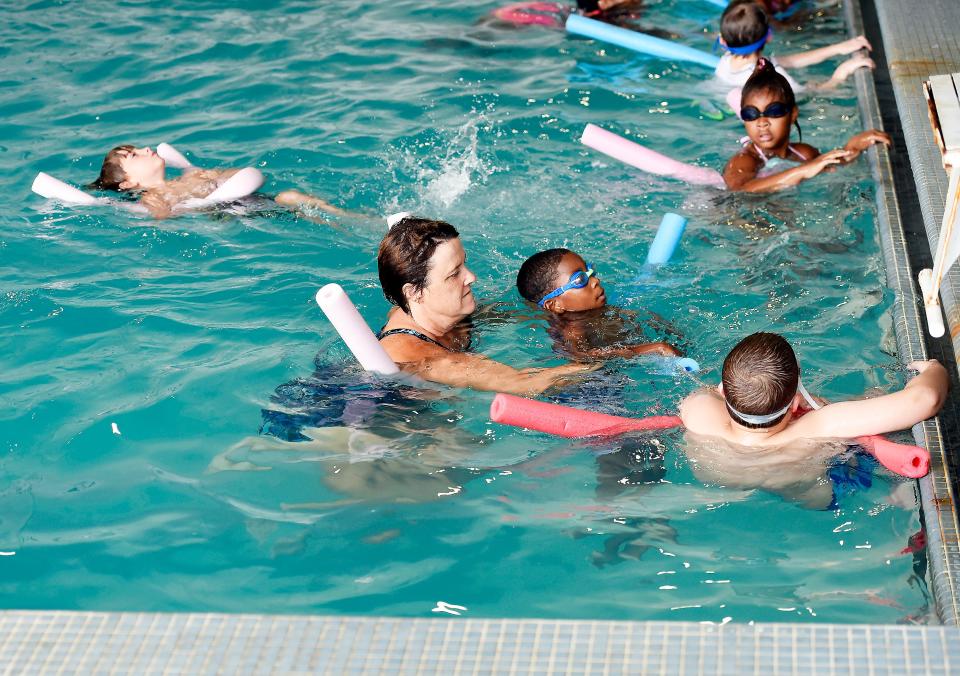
[423, 271]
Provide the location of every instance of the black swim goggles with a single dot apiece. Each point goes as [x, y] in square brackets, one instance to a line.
[775, 109]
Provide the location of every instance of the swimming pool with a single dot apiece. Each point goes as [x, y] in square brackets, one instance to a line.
[180, 332]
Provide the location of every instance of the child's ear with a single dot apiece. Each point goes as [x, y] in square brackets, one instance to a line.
[722, 41]
[795, 114]
[796, 403]
[126, 185]
[554, 305]
[720, 389]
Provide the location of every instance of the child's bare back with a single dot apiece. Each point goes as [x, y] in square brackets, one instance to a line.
[756, 430]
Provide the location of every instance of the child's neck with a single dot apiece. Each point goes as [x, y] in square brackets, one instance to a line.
[780, 151]
[738, 62]
[750, 435]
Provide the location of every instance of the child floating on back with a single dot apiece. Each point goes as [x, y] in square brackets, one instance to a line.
[142, 171]
[769, 110]
[771, 439]
[745, 30]
[581, 323]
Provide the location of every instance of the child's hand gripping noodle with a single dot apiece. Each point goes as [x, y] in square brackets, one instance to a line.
[573, 423]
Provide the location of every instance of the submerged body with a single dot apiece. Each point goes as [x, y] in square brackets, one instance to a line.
[582, 325]
[755, 430]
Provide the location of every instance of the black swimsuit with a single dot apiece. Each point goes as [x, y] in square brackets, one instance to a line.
[411, 332]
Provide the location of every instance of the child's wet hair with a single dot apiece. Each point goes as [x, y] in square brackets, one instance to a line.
[760, 376]
[111, 173]
[538, 274]
[765, 78]
[743, 23]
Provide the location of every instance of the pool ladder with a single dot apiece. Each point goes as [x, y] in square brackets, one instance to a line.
[943, 105]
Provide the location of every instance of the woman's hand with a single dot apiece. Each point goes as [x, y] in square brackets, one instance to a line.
[557, 376]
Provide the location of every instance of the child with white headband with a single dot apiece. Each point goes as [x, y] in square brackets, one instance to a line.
[774, 434]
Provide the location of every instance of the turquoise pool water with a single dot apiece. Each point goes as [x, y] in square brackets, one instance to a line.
[180, 332]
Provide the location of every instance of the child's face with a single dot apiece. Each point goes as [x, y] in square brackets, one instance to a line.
[142, 166]
[768, 133]
[589, 297]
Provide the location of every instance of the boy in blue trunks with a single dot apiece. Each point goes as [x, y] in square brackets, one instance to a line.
[760, 429]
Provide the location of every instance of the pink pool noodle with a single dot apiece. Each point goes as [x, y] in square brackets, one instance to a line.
[733, 100]
[648, 160]
[564, 421]
[524, 13]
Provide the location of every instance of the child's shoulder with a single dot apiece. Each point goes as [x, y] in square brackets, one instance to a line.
[704, 412]
[745, 163]
[805, 151]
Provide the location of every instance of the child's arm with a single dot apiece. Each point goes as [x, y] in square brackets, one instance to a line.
[741, 172]
[860, 142]
[922, 398]
[158, 207]
[626, 351]
[814, 56]
[574, 343]
[843, 71]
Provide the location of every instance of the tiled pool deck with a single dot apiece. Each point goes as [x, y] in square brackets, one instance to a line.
[147, 643]
[919, 39]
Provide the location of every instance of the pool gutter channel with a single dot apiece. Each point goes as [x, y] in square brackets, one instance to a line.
[937, 488]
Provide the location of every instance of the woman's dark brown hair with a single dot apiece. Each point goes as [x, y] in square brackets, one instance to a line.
[111, 174]
[405, 253]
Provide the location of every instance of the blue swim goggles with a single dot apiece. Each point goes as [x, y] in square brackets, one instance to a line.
[578, 280]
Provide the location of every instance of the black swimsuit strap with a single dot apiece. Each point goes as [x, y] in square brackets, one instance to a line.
[411, 332]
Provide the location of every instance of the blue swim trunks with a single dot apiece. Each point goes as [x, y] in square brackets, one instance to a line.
[851, 475]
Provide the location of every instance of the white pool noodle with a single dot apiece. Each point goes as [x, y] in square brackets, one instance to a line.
[47, 186]
[931, 303]
[393, 219]
[244, 182]
[345, 318]
[173, 157]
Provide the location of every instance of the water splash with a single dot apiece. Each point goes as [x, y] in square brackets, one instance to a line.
[458, 169]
